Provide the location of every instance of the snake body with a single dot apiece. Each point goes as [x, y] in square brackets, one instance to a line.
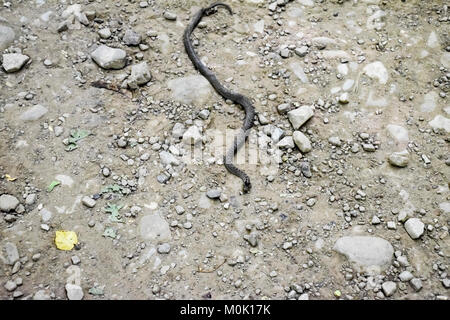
[237, 98]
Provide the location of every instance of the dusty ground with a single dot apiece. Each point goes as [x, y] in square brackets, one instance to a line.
[275, 242]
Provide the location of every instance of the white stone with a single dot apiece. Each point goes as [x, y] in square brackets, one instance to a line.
[399, 159]
[33, 113]
[191, 89]
[109, 58]
[429, 102]
[9, 254]
[302, 141]
[414, 227]
[300, 115]
[13, 62]
[88, 202]
[371, 254]
[377, 70]
[286, 142]
[154, 227]
[74, 292]
[192, 136]
[445, 207]
[432, 41]
[178, 130]
[399, 133]
[168, 158]
[445, 59]
[259, 26]
[140, 74]
[8, 202]
[389, 288]
[348, 84]
[440, 123]
[7, 36]
[297, 69]
[104, 33]
[405, 276]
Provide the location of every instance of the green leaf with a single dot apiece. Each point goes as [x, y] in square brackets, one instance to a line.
[71, 147]
[96, 291]
[77, 135]
[112, 188]
[52, 185]
[114, 210]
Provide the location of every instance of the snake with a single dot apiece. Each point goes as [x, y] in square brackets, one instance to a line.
[237, 98]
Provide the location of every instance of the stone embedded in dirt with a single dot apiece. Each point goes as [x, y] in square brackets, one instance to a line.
[335, 141]
[389, 288]
[8, 202]
[399, 133]
[7, 36]
[302, 141]
[9, 254]
[74, 292]
[440, 123]
[399, 159]
[140, 74]
[416, 283]
[163, 248]
[41, 295]
[10, 286]
[154, 227]
[299, 116]
[131, 38]
[13, 62]
[190, 89]
[178, 130]
[33, 113]
[88, 202]
[104, 33]
[192, 136]
[301, 51]
[170, 16]
[371, 254]
[109, 58]
[213, 193]
[377, 70]
[429, 102]
[415, 227]
[405, 276]
[168, 158]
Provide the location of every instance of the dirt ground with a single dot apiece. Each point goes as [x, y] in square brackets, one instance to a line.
[376, 75]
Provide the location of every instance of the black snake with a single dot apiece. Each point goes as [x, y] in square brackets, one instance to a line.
[224, 92]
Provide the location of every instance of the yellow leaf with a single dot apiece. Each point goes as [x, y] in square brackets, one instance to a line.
[65, 240]
[9, 178]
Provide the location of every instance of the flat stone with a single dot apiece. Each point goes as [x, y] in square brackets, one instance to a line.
[213, 193]
[41, 295]
[88, 202]
[13, 62]
[377, 70]
[371, 254]
[74, 292]
[416, 283]
[415, 227]
[399, 159]
[440, 123]
[10, 254]
[7, 36]
[109, 58]
[429, 102]
[10, 286]
[33, 113]
[297, 69]
[399, 133]
[164, 248]
[301, 51]
[168, 158]
[131, 38]
[389, 288]
[8, 202]
[154, 227]
[299, 116]
[140, 75]
[170, 16]
[190, 90]
[104, 33]
[178, 130]
[302, 141]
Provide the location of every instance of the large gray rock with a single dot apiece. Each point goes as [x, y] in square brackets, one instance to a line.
[140, 74]
[8, 202]
[13, 62]
[131, 38]
[109, 58]
[7, 36]
[191, 89]
[300, 115]
[9, 254]
[370, 254]
[33, 113]
[154, 227]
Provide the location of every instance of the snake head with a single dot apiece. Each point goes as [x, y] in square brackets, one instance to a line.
[247, 186]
